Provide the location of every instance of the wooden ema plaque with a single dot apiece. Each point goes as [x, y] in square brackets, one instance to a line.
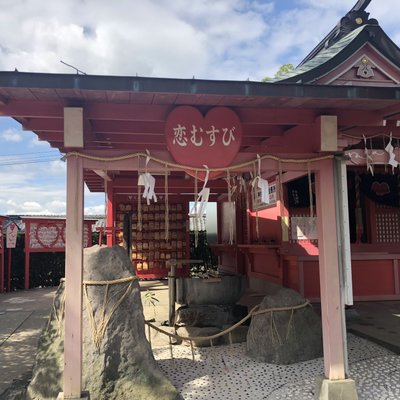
[150, 250]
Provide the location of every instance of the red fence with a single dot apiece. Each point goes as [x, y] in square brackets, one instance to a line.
[48, 235]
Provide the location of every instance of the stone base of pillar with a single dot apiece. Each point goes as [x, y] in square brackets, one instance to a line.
[84, 396]
[344, 389]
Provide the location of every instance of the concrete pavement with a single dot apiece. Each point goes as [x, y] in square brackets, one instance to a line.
[23, 315]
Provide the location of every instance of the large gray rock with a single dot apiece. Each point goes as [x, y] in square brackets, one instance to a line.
[123, 367]
[283, 337]
[223, 290]
[210, 315]
[194, 331]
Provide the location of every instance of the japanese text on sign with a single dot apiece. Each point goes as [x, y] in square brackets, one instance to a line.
[198, 137]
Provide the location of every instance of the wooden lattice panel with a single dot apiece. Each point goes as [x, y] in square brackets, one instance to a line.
[387, 224]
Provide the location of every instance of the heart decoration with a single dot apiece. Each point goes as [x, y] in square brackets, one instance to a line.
[196, 140]
[47, 235]
[380, 189]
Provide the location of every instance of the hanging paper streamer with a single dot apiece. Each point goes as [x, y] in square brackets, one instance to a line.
[200, 203]
[166, 205]
[261, 183]
[149, 182]
[392, 157]
[231, 209]
[370, 165]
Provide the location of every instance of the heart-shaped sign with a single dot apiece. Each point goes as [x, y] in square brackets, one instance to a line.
[195, 141]
[47, 234]
[380, 188]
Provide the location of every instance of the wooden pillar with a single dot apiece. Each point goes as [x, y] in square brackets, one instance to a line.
[332, 308]
[73, 280]
[110, 214]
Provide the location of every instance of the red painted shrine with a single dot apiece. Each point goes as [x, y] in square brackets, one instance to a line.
[306, 175]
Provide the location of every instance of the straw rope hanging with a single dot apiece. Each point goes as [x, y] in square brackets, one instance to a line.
[255, 195]
[166, 208]
[196, 221]
[230, 207]
[281, 194]
[179, 167]
[310, 192]
[139, 208]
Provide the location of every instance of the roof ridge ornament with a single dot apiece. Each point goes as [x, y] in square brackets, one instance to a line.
[355, 18]
[351, 21]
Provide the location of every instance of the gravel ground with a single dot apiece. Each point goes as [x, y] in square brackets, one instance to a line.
[227, 373]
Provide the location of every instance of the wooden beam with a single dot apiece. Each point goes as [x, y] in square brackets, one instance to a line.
[357, 117]
[30, 109]
[73, 127]
[128, 112]
[44, 124]
[327, 134]
[103, 174]
[277, 116]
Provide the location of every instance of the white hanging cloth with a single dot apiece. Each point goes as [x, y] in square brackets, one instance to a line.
[261, 183]
[148, 181]
[392, 156]
[370, 164]
[199, 207]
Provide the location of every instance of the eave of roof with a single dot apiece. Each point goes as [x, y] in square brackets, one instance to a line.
[330, 58]
[60, 83]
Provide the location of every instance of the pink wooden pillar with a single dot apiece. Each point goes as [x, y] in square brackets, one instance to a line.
[110, 214]
[73, 280]
[332, 308]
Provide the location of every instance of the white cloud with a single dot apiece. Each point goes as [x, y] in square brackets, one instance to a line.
[216, 39]
[31, 205]
[212, 39]
[34, 142]
[94, 210]
[11, 135]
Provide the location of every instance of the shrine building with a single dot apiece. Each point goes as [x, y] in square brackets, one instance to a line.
[304, 171]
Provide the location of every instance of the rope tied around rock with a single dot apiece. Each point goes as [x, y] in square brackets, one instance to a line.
[255, 311]
[99, 329]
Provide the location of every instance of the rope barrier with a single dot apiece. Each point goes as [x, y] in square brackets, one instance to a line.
[255, 311]
[188, 167]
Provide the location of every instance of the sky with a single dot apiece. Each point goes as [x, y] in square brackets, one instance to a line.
[207, 39]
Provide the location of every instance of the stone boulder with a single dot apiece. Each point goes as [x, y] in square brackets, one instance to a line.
[210, 315]
[122, 366]
[226, 289]
[284, 337]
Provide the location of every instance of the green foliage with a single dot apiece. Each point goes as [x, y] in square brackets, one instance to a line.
[150, 299]
[283, 69]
